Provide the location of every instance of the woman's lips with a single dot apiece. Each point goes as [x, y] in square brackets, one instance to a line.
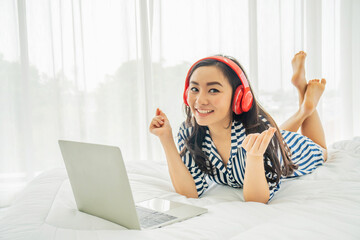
[203, 113]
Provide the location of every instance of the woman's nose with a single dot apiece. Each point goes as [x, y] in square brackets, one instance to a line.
[202, 98]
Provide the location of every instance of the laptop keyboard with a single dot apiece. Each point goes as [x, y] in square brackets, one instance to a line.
[149, 218]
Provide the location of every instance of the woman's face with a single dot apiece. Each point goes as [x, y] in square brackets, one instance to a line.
[209, 97]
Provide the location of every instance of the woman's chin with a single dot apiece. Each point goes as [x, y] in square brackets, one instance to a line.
[201, 122]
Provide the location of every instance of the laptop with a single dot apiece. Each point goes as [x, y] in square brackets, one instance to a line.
[101, 188]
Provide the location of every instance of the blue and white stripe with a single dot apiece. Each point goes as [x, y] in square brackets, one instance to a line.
[305, 153]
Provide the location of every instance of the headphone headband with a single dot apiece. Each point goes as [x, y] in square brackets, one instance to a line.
[228, 62]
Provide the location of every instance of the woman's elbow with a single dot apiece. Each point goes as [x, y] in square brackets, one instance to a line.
[192, 196]
[187, 194]
[260, 199]
[265, 201]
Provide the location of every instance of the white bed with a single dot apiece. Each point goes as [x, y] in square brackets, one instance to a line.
[322, 205]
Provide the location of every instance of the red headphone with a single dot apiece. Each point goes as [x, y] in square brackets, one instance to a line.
[243, 97]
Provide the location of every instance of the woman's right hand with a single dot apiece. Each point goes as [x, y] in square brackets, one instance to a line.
[160, 125]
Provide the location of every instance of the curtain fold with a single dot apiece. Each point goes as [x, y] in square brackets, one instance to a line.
[95, 71]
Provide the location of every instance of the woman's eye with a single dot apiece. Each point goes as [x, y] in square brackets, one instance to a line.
[194, 89]
[213, 90]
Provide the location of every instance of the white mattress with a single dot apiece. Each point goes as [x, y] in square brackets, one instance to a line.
[322, 205]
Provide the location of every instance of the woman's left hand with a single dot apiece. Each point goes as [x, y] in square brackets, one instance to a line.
[255, 144]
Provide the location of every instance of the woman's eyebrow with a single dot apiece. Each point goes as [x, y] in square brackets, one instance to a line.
[208, 84]
[214, 83]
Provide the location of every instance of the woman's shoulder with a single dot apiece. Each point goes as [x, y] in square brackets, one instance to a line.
[184, 126]
[185, 129]
[238, 126]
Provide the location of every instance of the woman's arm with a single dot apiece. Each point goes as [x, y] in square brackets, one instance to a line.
[255, 187]
[181, 178]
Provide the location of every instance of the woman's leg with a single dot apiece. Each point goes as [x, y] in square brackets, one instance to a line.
[298, 80]
[312, 127]
[307, 116]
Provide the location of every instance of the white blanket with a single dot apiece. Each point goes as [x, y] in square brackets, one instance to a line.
[322, 205]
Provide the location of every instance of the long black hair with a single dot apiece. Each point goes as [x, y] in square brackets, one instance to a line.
[251, 121]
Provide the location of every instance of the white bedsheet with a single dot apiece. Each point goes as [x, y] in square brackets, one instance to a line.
[322, 205]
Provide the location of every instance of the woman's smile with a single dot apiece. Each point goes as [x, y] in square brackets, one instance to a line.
[203, 112]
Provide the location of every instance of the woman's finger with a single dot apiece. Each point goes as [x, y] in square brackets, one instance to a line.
[267, 138]
[252, 139]
[246, 140]
[258, 141]
[157, 122]
[159, 119]
[160, 113]
[153, 125]
[163, 115]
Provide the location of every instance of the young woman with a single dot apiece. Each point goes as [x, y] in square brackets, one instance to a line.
[229, 138]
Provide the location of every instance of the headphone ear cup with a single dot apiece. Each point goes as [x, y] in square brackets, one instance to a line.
[247, 101]
[186, 95]
[236, 106]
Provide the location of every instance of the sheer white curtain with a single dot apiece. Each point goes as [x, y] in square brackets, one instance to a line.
[96, 70]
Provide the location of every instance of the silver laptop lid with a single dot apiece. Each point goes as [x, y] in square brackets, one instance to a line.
[95, 171]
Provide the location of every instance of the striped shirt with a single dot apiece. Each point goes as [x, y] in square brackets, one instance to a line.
[305, 153]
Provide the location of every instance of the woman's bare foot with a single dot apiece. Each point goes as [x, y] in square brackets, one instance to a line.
[314, 90]
[298, 78]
